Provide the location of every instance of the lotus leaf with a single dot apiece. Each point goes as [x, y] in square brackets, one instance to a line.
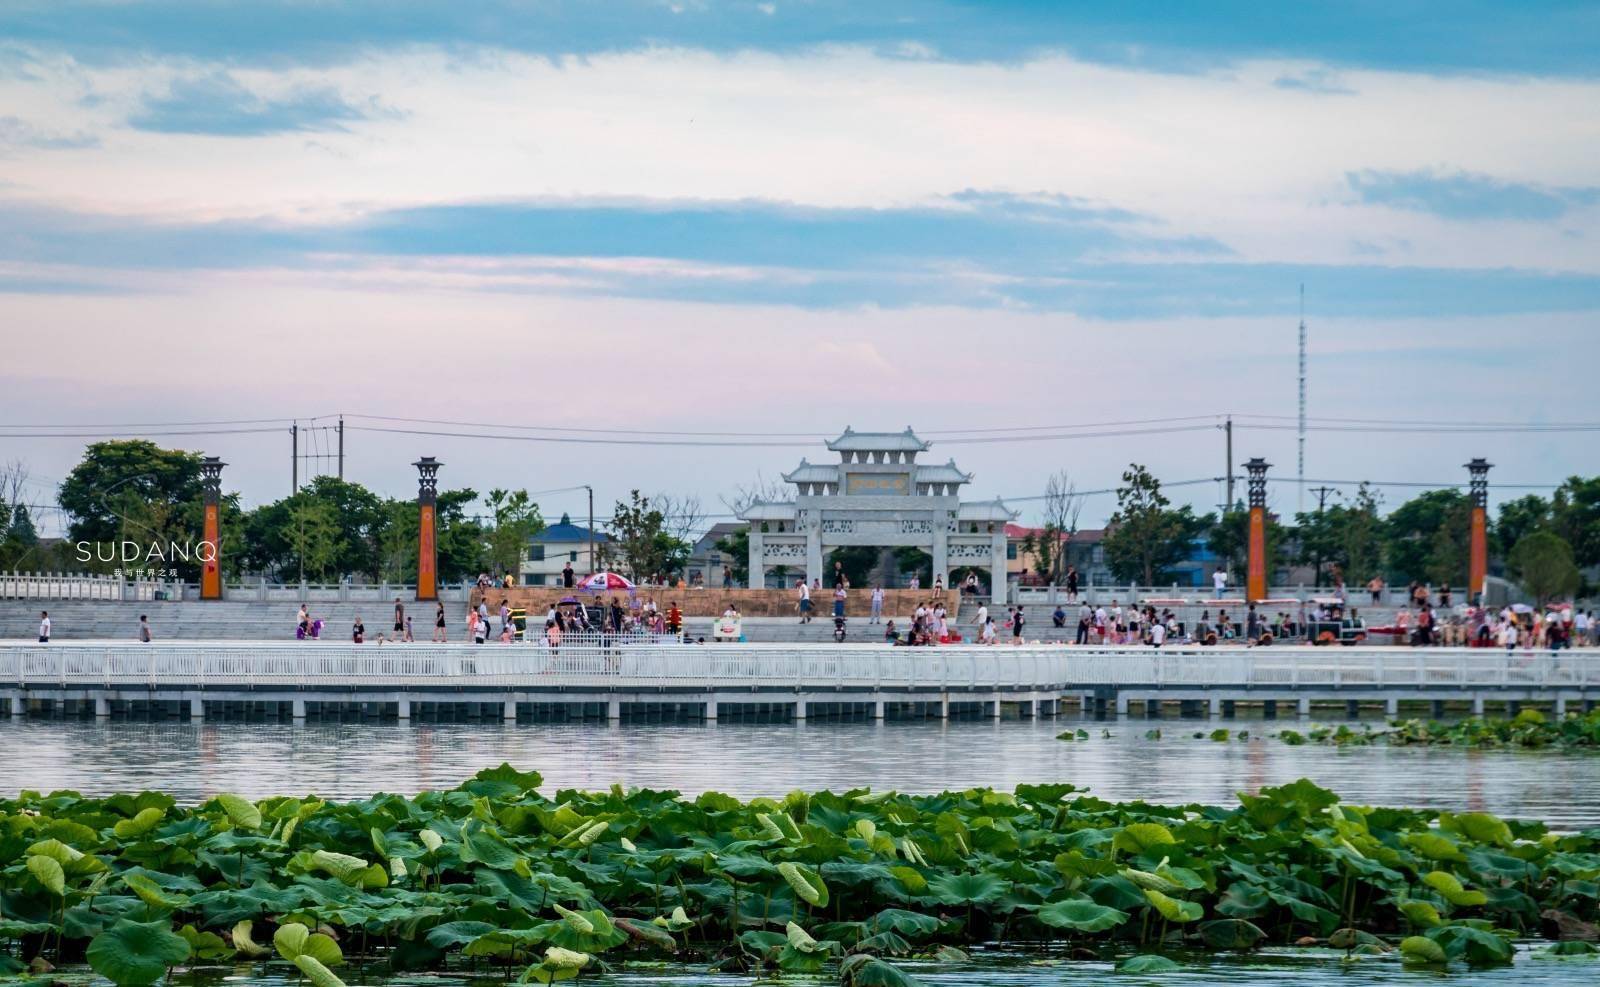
[130, 954]
[1421, 950]
[1081, 915]
[1146, 963]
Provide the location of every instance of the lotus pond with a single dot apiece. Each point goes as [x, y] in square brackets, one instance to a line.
[861, 887]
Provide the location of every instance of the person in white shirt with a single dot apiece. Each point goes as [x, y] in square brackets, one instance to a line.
[877, 605]
[44, 627]
[805, 602]
[982, 617]
[1158, 634]
[1219, 582]
[1100, 623]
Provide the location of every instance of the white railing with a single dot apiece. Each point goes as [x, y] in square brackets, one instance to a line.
[808, 667]
[78, 586]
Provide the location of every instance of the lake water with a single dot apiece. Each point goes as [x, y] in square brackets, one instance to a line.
[194, 760]
[352, 760]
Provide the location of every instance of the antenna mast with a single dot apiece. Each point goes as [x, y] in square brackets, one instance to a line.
[1300, 477]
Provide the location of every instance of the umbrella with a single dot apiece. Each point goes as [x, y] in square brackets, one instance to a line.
[605, 580]
[568, 599]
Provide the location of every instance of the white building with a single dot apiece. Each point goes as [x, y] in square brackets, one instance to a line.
[878, 495]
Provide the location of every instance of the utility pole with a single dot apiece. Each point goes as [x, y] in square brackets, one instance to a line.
[592, 567]
[1322, 496]
[341, 447]
[294, 458]
[1227, 428]
[1300, 476]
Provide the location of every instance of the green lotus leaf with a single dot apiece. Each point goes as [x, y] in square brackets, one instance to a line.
[205, 945]
[1231, 933]
[1174, 909]
[1081, 915]
[56, 850]
[140, 825]
[862, 970]
[1479, 947]
[47, 871]
[1451, 889]
[246, 945]
[153, 894]
[1420, 913]
[1478, 826]
[316, 972]
[1139, 837]
[241, 812]
[1146, 963]
[131, 954]
[807, 884]
[290, 939]
[966, 889]
[1421, 950]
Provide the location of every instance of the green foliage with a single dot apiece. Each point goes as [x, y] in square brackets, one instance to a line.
[1425, 539]
[1543, 562]
[1146, 537]
[640, 542]
[516, 520]
[825, 882]
[1528, 729]
[1575, 516]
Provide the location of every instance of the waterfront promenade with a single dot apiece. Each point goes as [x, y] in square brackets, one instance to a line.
[702, 681]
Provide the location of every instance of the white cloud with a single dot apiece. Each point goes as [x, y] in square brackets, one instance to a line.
[1230, 154]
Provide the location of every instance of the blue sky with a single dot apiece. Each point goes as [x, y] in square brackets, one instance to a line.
[1121, 197]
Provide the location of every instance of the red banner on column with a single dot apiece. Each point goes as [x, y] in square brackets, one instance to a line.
[211, 557]
[1256, 583]
[427, 558]
[1478, 563]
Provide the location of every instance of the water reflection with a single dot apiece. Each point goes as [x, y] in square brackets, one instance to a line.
[356, 759]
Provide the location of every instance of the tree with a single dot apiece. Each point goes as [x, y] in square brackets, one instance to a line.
[120, 476]
[1448, 555]
[1146, 537]
[1228, 537]
[1062, 507]
[1543, 563]
[911, 561]
[682, 517]
[737, 547]
[314, 538]
[1412, 545]
[1360, 537]
[359, 516]
[1519, 517]
[857, 562]
[638, 535]
[1575, 510]
[516, 520]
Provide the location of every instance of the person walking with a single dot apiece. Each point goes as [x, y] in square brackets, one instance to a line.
[981, 618]
[505, 615]
[439, 635]
[1018, 619]
[1085, 618]
[805, 602]
[144, 629]
[1219, 583]
[408, 638]
[399, 618]
[1072, 584]
[877, 605]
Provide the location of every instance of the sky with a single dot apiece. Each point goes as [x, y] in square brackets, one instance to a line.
[790, 217]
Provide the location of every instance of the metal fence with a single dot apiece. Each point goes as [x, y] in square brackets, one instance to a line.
[622, 664]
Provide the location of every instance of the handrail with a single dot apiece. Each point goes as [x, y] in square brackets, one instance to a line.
[848, 666]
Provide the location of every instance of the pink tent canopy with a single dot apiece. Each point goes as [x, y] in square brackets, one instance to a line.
[604, 580]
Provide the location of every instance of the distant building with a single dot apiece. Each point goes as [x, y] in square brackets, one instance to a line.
[1085, 551]
[706, 560]
[553, 548]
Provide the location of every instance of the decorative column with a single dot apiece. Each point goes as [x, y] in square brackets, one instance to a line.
[756, 578]
[999, 579]
[1256, 574]
[211, 547]
[813, 550]
[1478, 552]
[427, 543]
